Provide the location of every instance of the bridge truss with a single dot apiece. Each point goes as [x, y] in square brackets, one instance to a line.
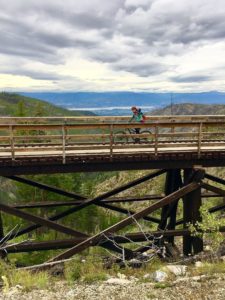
[181, 156]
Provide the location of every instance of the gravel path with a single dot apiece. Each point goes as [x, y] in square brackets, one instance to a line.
[183, 288]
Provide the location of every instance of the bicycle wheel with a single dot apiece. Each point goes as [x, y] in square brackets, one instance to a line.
[120, 137]
[147, 138]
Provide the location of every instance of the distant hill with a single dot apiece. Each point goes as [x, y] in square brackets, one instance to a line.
[119, 103]
[18, 105]
[190, 109]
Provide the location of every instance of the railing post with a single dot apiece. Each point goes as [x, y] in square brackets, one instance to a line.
[64, 143]
[111, 141]
[199, 139]
[156, 140]
[172, 130]
[12, 142]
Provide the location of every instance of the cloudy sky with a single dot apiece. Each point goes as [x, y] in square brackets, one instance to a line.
[102, 45]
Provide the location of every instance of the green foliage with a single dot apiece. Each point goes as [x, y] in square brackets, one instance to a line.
[89, 270]
[209, 226]
[39, 110]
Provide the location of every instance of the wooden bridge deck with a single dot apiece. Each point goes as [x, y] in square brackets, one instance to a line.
[32, 145]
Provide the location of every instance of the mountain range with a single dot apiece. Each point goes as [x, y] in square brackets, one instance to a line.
[119, 103]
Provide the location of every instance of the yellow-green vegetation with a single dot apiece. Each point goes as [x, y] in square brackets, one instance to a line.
[209, 268]
[10, 277]
[162, 285]
[92, 269]
[88, 270]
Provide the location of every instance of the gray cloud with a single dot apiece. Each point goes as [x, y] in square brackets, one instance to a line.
[39, 75]
[127, 35]
[142, 69]
[191, 79]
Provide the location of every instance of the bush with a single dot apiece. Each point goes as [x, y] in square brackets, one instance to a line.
[209, 226]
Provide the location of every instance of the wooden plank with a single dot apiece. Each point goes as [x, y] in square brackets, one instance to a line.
[199, 140]
[79, 126]
[68, 119]
[12, 143]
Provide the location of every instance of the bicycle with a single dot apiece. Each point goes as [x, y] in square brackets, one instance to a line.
[128, 135]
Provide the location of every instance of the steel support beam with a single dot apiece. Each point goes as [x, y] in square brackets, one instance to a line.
[55, 226]
[215, 178]
[46, 187]
[57, 203]
[24, 168]
[129, 220]
[96, 200]
[67, 243]
[77, 202]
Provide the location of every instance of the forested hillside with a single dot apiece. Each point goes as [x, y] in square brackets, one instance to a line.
[190, 109]
[22, 106]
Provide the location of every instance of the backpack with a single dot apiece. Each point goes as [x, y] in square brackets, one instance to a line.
[144, 118]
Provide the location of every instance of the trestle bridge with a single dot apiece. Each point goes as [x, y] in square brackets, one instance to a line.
[181, 147]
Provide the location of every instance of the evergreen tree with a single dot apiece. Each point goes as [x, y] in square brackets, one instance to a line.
[21, 110]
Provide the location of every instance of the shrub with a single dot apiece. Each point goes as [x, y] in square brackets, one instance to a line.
[208, 227]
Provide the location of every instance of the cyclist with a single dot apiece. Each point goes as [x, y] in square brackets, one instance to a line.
[137, 117]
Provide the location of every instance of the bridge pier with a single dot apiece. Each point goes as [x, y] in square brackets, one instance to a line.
[173, 183]
[191, 214]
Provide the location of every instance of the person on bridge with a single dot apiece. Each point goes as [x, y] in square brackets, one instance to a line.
[138, 117]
